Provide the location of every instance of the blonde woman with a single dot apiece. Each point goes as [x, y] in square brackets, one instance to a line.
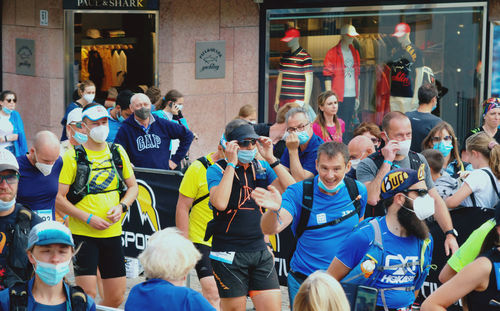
[321, 292]
[328, 125]
[167, 260]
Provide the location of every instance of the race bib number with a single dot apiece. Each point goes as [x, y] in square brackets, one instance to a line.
[45, 214]
[226, 257]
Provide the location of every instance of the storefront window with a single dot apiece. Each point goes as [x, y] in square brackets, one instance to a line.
[375, 58]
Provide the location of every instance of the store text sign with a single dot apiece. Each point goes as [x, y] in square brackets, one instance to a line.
[211, 59]
[25, 57]
[111, 4]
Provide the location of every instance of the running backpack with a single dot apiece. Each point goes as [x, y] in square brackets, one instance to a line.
[18, 295]
[80, 187]
[206, 164]
[371, 267]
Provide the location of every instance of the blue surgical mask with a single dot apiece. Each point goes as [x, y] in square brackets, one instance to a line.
[5, 206]
[6, 110]
[334, 190]
[246, 156]
[443, 147]
[303, 137]
[80, 138]
[120, 118]
[51, 274]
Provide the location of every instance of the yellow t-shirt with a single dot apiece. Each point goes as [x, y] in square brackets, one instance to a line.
[102, 178]
[194, 185]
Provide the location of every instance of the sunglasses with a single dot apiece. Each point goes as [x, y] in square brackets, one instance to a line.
[78, 125]
[11, 100]
[10, 179]
[421, 192]
[436, 139]
[247, 142]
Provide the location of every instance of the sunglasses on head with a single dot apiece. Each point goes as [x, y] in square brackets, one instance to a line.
[421, 192]
[9, 100]
[10, 179]
[247, 142]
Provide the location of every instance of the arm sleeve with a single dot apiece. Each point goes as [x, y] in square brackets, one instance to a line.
[329, 64]
[285, 159]
[271, 175]
[291, 200]
[477, 180]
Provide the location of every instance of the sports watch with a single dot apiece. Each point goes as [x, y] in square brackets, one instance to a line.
[452, 231]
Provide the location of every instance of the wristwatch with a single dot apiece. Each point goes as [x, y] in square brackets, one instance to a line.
[452, 231]
[124, 207]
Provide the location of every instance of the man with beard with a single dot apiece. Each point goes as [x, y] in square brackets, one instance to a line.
[393, 252]
[147, 139]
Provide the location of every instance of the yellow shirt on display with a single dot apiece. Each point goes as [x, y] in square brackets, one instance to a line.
[103, 179]
[194, 185]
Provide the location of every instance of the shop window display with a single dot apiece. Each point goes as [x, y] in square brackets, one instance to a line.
[376, 59]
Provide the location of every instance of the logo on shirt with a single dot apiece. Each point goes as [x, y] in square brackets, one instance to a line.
[148, 141]
[3, 239]
[403, 272]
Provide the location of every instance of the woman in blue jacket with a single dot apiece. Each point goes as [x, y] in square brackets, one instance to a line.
[50, 249]
[12, 135]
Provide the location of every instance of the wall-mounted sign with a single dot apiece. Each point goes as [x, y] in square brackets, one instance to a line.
[44, 18]
[25, 57]
[210, 59]
[110, 4]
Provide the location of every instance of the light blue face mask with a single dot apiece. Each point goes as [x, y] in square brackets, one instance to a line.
[7, 110]
[303, 137]
[5, 206]
[51, 274]
[121, 118]
[246, 156]
[339, 186]
[80, 138]
[443, 147]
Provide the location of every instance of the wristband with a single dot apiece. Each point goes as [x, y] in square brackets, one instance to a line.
[65, 217]
[275, 163]
[231, 164]
[278, 215]
[88, 219]
[388, 162]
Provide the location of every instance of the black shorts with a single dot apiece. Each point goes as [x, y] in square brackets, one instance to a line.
[203, 266]
[107, 253]
[249, 271]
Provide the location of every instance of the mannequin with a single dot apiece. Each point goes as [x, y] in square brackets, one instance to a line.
[406, 72]
[341, 70]
[295, 78]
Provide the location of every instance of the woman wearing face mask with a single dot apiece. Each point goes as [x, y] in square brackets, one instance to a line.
[328, 125]
[170, 107]
[442, 137]
[12, 136]
[50, 249]
[86, 92]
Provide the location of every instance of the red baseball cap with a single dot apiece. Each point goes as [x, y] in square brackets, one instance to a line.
[401, 29]
[290, 34]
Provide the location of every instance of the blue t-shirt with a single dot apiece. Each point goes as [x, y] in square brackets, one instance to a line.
[114, 126]
[214, 174]
[317, 248]
[160, 295]
[35, 191]
[307, 157]
[398, 250]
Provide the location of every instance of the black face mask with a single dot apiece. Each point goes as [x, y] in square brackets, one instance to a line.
[410, 221]
[143, 113]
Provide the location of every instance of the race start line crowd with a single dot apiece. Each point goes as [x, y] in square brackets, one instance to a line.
[360, 213]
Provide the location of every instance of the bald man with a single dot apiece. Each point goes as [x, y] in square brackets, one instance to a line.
[39, 170]
[359, 148]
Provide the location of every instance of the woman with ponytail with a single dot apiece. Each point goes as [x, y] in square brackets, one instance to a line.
[328, 125]
[86, 95]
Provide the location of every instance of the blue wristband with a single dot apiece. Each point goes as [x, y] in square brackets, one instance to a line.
[388, 162]
[65, 217]
[231, 164]
[88, 219]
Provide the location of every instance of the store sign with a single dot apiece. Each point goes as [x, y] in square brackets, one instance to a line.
[25, 57]
[211, 59]
[111, 4]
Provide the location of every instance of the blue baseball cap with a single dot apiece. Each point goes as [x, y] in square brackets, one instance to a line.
[50, 232]
[399, 180]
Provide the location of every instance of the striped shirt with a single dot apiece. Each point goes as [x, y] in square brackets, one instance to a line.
[294, 66]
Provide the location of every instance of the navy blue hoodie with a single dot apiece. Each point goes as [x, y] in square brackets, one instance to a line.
[151, 147]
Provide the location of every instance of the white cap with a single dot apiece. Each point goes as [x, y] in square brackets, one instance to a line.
[8, 161]
[349, 30]
[94, 113]
[74, 116]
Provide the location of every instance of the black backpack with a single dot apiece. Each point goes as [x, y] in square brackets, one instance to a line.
[206, 164]
[80, 187]
[18, 295]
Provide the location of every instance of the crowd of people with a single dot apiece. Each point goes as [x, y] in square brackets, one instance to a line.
[360, 209]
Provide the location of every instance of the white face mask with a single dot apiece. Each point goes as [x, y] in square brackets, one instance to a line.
[355, 163]
[99, 133]
[423, 207]
[179, 107]
[89, 97]
[404, 147]
[45, 169]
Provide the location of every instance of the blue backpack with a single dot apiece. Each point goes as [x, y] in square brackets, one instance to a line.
[376, 256]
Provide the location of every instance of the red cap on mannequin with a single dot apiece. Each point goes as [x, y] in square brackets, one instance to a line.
[401, 29]
[290, 34]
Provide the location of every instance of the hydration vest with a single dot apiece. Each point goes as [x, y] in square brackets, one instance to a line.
[18, 295]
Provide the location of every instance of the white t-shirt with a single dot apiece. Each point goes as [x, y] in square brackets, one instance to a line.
[480, 183]
[349, 74]
[6, 128]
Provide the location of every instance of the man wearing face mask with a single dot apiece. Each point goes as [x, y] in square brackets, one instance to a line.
[422, 120]
[119, 113]
[147, 139]
[15, 224]
[39, 179]
[242, 263]
[301, 145]
[393, 253]
[337, 206]
[96, 185]
[359, 148]
[397, 154]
